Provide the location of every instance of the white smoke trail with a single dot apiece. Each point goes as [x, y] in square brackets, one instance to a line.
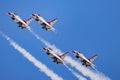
[85, 71]
[56, 51]
[45, 42]
[74, 73]
[37, 63]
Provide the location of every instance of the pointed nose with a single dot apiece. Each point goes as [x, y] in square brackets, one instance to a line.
[9, 13]
[44, 48]
[73, 51]
[33, 14]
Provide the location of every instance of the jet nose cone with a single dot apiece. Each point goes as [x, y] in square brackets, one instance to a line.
[33, 14]
[9, 13]
[73, 51]
[44, 48]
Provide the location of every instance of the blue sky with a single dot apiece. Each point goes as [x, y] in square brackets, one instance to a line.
[91, 26]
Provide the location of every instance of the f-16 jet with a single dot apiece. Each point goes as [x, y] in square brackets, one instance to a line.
[21, 23]
[47, 25]
[56, 57]
[85, 61]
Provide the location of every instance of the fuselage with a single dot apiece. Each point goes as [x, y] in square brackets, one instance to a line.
[51, 54]
[40, 20]
[82, 58]
[18, 20]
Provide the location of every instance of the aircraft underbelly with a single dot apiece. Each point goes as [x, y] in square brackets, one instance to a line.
[87, 63]
[48, 27]
[51, 55]
[24, 25]
[16, 20]
[40, 22]
[80, 58]
[19, 22]
[58, 60]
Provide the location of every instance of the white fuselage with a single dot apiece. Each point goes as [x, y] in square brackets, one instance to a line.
[44, 24]
[51, 54]
[18, 20]
[83, 59]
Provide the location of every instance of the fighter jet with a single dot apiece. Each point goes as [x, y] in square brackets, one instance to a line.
[21, 23]
[85, 61]
[56, 57]
[47, 25]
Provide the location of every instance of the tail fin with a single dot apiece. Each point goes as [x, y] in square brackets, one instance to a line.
[52, 22]
[28, 20]
[93, 58]
[63, 55]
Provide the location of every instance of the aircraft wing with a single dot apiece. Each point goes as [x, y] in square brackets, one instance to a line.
[90, 60]
[52, 22]
[28, 20]
[63, 55]
[93, 58]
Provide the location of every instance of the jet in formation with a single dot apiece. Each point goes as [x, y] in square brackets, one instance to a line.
[21, 23]
[58, 58]
[47, 25]
[85, 61]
